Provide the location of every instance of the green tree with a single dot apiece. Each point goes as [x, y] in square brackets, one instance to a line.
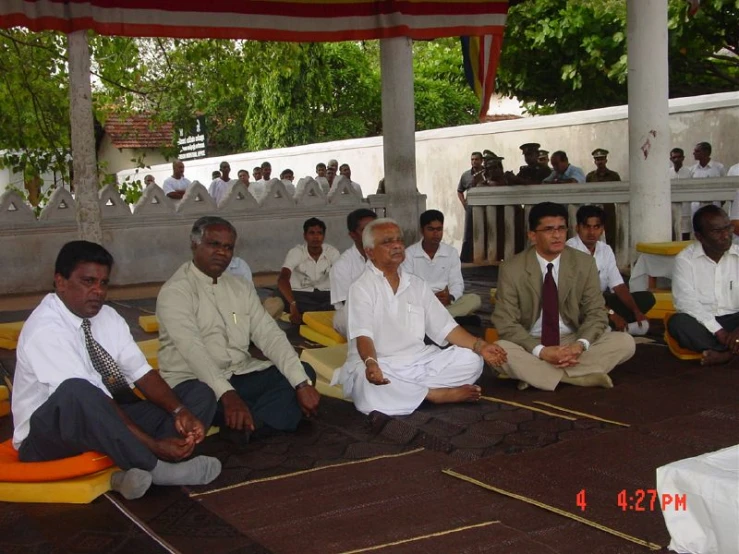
[564, 55]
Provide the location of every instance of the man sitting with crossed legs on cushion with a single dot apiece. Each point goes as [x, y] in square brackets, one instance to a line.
[550, 313]
[390, 369]
[72, 387]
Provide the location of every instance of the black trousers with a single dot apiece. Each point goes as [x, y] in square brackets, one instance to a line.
[466, 254]
[314, 301]
[79, 417]
[270, 398]
[644, 301]
[691, 334]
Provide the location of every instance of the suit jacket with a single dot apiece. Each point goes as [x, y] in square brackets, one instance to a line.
[518, 299]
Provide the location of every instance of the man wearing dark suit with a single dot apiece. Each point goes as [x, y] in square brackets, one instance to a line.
[550, 313]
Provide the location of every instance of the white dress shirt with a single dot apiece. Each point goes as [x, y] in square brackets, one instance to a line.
[705, 289]
[307, 274]
[51, 350]
[682, 173]
[608, 273]
[733, 171]
[396, 321]
[218, 189]
[347, 269]
[711, 169]
[564, 329]
[441, 271]
[240, 268]
[173, 185]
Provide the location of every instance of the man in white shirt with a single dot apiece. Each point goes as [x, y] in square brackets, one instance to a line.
[176, 185]
[346, 171]
[705, 289]
[704, 166]
[623, 307]
[677, 169]
[550, 313]
[219, 187]
[208, 319]
[287, 176]
[389, 368]
[304, 278]
[72, 388]
[733, 171]
[349, 266]
[438, 264]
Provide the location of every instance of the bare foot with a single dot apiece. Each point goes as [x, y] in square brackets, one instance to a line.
[465, 393]
[714, 357]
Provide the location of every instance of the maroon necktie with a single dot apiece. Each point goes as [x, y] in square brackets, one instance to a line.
[549, 310]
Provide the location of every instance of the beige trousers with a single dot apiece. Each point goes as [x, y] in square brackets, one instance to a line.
[464, 305]
[611, 349]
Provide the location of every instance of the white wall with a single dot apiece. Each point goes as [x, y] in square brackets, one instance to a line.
[443, 154]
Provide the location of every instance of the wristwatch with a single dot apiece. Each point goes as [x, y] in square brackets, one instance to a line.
[305, 383]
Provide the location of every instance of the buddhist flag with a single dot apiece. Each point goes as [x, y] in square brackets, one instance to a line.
[481, 55]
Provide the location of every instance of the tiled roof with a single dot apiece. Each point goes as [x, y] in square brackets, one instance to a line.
[138, 131]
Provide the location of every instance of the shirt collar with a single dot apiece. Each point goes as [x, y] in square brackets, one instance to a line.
[405, 279]
[71, 318]
[698, 251]
[202, 277]
[304, 246]
[543, 263]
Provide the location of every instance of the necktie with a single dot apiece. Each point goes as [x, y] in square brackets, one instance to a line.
[104, 363]
[549, 310]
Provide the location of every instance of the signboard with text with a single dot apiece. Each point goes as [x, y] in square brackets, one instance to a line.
[191, 142]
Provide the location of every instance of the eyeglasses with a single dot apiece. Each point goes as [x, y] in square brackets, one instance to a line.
[552, 230]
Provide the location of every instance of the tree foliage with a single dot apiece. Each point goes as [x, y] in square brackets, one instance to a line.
[564, 55]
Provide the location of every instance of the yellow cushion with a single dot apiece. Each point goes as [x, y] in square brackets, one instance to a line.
[325, 361]
[150, 348]
[4, 407]
[323, 322]
[662, 306]
[662, 248]
[314, 336]
[4, 392]
[149, 323]
[79, 490]
[9, 333]
[678, 351]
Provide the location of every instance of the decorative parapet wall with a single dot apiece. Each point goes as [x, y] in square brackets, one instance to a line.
[152, 240]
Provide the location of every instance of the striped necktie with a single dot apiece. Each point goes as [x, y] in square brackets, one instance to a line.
[104, 363]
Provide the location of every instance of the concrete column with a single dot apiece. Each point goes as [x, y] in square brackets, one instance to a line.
[649, 133]
[84, 158]
[399, 136]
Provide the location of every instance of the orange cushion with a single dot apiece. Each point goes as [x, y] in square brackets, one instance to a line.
[4, 407]
[13, 470]
[678, 351]
[491, 335]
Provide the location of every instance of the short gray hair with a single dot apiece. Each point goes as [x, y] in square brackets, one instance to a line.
[199, 227]
[368, 234]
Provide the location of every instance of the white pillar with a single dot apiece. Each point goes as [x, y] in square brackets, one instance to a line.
[404, 204]
[649, 128]
[83, 138]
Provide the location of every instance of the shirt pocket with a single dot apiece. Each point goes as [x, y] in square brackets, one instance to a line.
[416, 321]
[238, 330]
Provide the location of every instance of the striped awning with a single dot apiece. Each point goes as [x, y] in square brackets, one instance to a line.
[277, 20]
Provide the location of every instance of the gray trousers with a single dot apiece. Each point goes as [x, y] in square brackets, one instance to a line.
[79, 417]
[691, 334]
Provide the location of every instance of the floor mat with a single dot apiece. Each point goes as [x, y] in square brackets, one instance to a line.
[602, 466]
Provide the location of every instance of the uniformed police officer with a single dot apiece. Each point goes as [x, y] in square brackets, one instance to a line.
[601, 174]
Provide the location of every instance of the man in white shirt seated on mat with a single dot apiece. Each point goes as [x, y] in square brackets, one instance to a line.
[438, 264]
[389, 368]
[77, 363]
[349, 266]
[705, 289]
[625, 309]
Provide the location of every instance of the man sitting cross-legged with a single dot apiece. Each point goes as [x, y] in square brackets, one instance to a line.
[624, 307]
[349, 266]
[438, 264]
[550, 313]
[304, 281]
[705, 289]
[389, 368]
[72, 387]
[207, 320]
